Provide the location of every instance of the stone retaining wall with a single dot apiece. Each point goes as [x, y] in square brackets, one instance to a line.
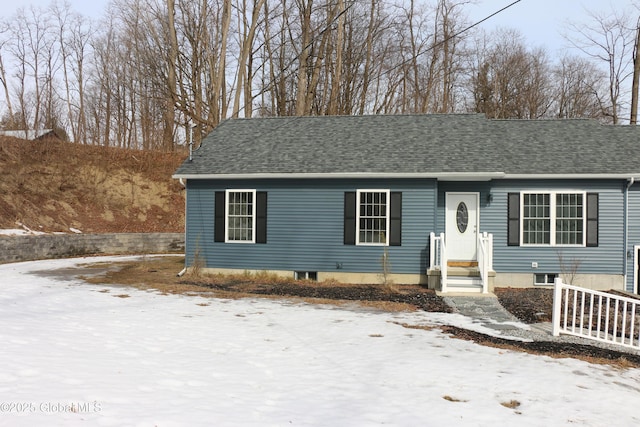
[46, 246]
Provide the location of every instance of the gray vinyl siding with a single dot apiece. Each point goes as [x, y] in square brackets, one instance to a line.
[606, 258]
[633, 235]
[305, 227]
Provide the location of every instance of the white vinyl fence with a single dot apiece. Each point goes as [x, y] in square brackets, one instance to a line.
[596, 315]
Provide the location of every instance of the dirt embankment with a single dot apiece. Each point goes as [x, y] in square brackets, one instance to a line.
[54, 186]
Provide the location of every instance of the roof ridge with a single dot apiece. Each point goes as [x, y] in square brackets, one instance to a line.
[356, 116]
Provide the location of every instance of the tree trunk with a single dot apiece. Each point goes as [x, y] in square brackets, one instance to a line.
[244, 83]
[3, 79]
[303, 69]
[368, 59]
[636, 78]
[337, 72]
[218, 103]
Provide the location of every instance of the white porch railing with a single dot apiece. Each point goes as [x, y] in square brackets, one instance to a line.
[485, 258]
[438, 258]
[595, 315]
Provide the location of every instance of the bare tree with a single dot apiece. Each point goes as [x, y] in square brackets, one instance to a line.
[635, 86]
[244, 83]
[203, 32]
[74, 32]
[335, 70]
[172, 85]
[449, 23]
[218, 99]
[273, 91]
[509, 81]
[151, 70]
[372, 26]
[577, 84]
[104, 83]
[27, 39]
[4, 30]
[608, 39]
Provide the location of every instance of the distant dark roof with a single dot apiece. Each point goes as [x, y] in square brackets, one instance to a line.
[30, 134]
[445, 146]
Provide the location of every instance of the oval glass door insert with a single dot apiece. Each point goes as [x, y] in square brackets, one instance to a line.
[462, 217]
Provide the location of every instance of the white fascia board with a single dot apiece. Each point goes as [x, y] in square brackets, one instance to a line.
[442, 176]
[624, 176]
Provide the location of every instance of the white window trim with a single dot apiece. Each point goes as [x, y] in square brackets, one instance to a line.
[546, 275]
[552, 217]
[388, 217]
[226, 215]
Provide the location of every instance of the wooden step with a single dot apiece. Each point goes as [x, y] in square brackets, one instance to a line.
[454, 263]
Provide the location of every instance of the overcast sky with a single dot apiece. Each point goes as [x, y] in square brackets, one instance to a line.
[541, 21]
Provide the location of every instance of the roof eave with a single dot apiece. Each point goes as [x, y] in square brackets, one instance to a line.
[625, 176]
[442, 176]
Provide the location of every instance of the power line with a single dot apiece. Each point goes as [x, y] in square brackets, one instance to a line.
[430, 48]
[293, 118]
[287, 71]
[297, 57]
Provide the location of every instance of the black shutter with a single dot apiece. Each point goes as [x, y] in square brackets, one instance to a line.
[218, 232]
[261, 217]
[395, 234]
[350, 218]
[513, 219]
[592, 219]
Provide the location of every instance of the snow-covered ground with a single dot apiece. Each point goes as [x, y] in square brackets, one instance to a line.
[26, 231]
[77, 354]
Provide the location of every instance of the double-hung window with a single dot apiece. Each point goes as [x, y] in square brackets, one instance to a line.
[241, 217]
[553, 218]
[373, 217]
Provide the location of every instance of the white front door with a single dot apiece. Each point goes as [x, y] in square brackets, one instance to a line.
[462, 226]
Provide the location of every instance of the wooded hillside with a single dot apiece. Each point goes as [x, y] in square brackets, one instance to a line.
[55, 186]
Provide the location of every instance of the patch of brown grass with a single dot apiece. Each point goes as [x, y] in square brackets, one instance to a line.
[160, 274]
[511, 404]
[388, 306]
[421, 327]
[150, 272]
[453, 399]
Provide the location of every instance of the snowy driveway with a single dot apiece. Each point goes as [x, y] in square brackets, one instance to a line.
[77, 354]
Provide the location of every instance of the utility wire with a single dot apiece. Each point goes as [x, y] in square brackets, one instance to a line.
[287, 71]
[430, 48]
[329, 25]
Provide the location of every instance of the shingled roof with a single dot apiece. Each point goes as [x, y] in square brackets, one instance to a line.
[444, 146]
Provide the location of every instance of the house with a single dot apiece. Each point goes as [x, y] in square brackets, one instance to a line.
[31, 134]
[457, 202]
